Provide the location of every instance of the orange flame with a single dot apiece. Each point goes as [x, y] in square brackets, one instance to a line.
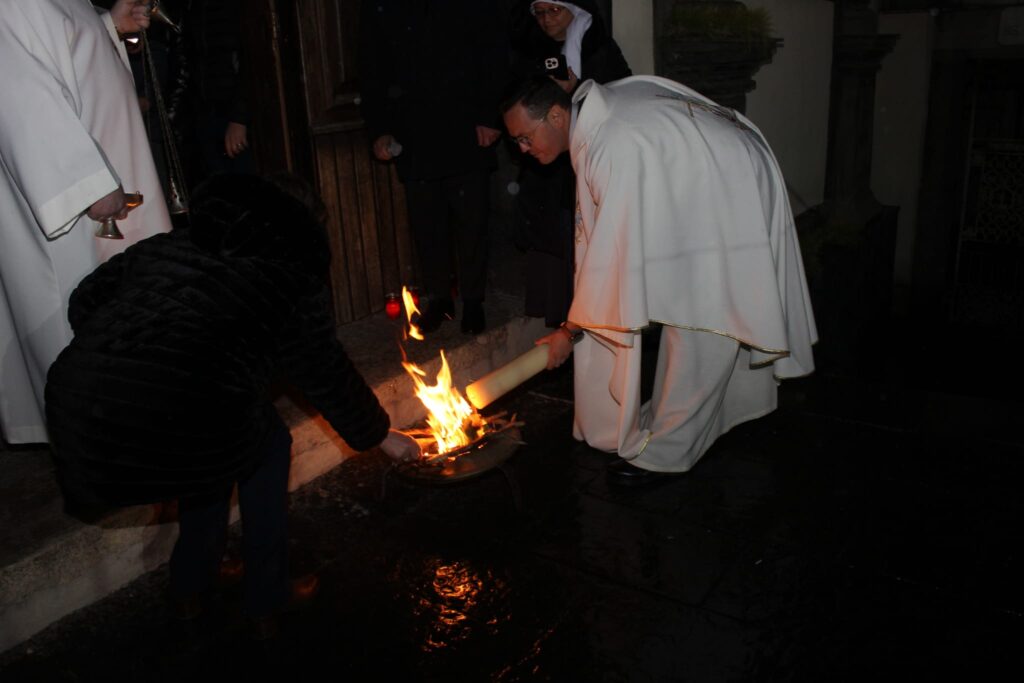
[452, 420]
[410, 309]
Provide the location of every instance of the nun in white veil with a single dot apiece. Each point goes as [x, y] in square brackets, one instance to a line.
[567, 23]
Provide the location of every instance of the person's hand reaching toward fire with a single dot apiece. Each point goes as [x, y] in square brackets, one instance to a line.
[400, 447]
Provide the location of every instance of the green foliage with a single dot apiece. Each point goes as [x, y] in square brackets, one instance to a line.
[721, 21]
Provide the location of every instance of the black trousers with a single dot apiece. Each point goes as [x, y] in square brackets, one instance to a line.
[263, 502]
[446, 213]
[210, 158]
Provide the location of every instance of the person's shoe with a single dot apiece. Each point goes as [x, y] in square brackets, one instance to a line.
[436, 313]
[624, 473]
[473, 321]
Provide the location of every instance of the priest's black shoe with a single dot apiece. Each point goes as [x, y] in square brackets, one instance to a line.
[436, 313]
[473, 321]
[623, 473]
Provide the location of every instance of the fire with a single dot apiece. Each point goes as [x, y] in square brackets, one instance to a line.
[410, 309]
[452, 421]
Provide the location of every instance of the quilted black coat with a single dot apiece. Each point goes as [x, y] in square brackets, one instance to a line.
[165, 390]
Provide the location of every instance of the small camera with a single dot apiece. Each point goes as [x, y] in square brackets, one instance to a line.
[556, 67]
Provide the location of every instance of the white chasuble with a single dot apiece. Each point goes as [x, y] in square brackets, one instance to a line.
[70, 133]
[683, 220]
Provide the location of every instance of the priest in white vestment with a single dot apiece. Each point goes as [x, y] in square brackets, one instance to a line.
[683, 220]
[72, 142]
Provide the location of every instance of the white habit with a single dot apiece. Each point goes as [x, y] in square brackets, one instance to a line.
[70, 133]
[683, 219]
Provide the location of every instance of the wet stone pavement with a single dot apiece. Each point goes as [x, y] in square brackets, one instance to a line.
[833, 540]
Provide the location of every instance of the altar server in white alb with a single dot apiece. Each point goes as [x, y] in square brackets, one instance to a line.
[682, 219]
[72, 143]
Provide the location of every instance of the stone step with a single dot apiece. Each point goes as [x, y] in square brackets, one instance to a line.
[52, 564]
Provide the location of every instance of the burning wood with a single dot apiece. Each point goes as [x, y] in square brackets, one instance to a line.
[497, 424]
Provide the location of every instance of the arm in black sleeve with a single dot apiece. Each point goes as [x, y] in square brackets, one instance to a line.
[373, 72]
[493, 64]
[316, 363]
[603, 61]
[240, 110]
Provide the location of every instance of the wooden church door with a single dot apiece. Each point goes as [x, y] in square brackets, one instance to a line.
[310, 123]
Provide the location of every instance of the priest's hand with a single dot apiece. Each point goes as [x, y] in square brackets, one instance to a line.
[559, 347]
[400, 447]
[112, 206]
[130, 16]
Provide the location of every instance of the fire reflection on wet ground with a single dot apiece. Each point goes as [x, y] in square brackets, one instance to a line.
[454, 601]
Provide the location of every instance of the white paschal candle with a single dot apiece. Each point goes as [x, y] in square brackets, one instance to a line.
[497, 383]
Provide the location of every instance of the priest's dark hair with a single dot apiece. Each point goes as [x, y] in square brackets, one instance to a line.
[537, 94]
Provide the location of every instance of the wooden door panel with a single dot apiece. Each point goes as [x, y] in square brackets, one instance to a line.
[353, 226]
[371, 251]
[323, 154]
[391, 219]
[362, 164]
[328, 31]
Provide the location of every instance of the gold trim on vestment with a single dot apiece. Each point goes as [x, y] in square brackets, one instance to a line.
[778, 353]
[650, 435]
[727, 113]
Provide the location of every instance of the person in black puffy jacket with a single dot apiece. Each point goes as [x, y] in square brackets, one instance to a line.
[166, 389]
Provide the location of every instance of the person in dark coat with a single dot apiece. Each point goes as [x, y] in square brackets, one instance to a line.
[546, 200]
[216, 110]
[430, 76]
[166, 389]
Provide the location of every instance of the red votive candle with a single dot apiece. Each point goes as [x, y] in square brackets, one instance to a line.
[392, 306]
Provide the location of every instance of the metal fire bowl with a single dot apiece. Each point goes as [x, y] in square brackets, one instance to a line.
[482, 456]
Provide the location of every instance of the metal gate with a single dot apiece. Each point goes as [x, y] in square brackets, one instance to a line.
[988, 277]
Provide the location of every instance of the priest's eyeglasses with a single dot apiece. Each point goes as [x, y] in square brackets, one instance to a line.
[526, 140]
[554, 11]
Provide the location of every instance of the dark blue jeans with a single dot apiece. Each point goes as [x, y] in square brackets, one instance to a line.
[263, 502]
